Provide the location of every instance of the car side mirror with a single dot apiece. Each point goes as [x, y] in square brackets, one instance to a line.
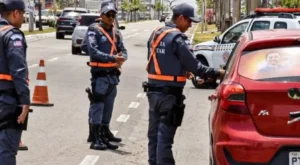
[122, 27]
[217, 39]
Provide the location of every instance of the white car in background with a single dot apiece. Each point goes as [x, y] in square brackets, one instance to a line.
[216, 53]
[84, 21]
[48, 18]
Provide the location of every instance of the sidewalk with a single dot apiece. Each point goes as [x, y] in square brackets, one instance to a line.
[25, 27]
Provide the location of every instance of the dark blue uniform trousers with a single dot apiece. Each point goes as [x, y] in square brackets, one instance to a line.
[9, 141]
[101, 112]
[160, 134]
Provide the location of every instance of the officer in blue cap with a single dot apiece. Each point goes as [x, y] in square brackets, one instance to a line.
[14, 89]
[170, 63]
[107, 54]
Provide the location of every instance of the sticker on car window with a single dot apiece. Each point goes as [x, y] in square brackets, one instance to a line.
[270, 63]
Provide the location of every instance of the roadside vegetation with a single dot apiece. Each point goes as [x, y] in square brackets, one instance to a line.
[36, 31]
[206, 35]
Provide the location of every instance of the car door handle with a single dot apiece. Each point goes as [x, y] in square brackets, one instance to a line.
[212, 97]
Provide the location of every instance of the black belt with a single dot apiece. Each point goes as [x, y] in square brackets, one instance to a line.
[167, 90]
[10, 92]
[105, 73]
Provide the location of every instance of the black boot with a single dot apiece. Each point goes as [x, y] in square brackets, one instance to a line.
[97, 143]
[105, 139]
[90, 134]
[110, 135]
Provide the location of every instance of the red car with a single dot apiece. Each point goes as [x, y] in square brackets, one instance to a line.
[251, 108]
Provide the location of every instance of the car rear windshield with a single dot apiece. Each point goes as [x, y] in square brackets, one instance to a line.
[276, 64]
[72, 13]
[88, 20]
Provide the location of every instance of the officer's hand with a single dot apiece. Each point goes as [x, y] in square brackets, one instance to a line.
[22, 117]
[190, 75]
[119, 59]
[222, 73]
[200, 81]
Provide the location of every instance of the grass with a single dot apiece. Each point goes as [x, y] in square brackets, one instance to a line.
[206, 35]
[48, 30]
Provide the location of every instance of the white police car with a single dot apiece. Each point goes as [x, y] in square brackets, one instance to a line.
[216, 53]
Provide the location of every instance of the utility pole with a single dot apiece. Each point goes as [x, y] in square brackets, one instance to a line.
[31, 17]
[202, 16]
[205, 21]
[236, 11]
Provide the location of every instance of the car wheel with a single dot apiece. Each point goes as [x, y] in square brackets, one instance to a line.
[209, 83]
[60, 36]
[76, 50]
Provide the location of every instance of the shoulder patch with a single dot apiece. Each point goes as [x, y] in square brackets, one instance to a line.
[18, 44]
[16, 36]
[91, 33]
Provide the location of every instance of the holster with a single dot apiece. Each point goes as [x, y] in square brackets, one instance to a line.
[175, 116]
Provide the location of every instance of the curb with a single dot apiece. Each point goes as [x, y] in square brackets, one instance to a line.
[34, 37]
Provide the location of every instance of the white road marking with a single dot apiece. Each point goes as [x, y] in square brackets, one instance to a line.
[134, 29]
[131, 35]
[134, 105]
[89, 160]
[123, 118]
[114, 132]
[141, 95]
[53, 59]
[33, 65]
[146, 30]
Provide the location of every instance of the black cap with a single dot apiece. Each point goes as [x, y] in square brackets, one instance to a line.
[107, 2]
[9, 5]
[186, 10]
[107, 8]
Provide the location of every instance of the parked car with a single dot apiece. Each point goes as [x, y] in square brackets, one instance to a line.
[84, 21]
[48, 18]
[215, 53]
[250, 109]
[67, 21]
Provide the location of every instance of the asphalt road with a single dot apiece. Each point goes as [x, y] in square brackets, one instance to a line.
[57, 135]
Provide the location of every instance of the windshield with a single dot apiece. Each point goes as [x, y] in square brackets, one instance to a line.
[276, 64]
[71, 13]
[88, 20]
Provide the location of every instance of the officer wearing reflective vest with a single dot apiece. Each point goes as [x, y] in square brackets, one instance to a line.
[14, 89]
[169, 61]
[107, 54]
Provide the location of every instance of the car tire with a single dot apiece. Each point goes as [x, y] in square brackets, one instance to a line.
[206, 85]
[60, 36]
[76, 50]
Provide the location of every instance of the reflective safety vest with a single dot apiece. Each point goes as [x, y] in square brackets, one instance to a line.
[158, 73]
[113, 49]
[7, 77]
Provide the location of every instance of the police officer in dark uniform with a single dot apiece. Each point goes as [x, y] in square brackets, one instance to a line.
[14, 89]
[169, 62]
[107, 54]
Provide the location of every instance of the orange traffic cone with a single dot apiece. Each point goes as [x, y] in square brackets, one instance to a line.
[40, 94]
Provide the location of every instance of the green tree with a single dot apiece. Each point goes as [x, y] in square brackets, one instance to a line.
[290, 3]
[158, 8]
[209, 4]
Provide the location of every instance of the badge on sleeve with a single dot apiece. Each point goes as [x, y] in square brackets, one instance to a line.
[18, 43]
[16, 37]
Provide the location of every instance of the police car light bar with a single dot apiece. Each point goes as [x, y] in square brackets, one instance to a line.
[277, 10]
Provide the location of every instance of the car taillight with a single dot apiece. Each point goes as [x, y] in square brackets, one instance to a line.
[233, 98]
